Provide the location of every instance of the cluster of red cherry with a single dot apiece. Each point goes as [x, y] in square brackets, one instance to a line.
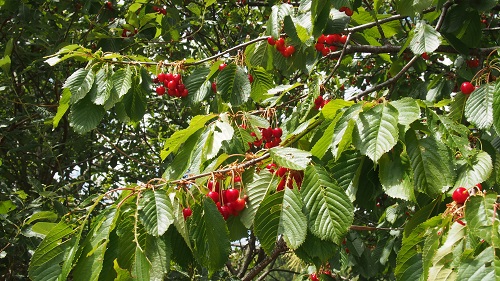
[348, 12]
[287, 176]
[228, 201]
[271, 137]
[286, 51]
[170, 84]
[160, 10]
[326, 43]
[319, 102]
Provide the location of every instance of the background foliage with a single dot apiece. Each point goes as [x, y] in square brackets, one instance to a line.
[97, 169]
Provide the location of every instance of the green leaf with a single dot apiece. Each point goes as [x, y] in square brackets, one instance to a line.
[291, 158]
[431, 163]
[122, 81]
[409, 263]
[135, 102]
[408, 110]
[450, 132]
[197, 84]
[395, 175]
[482, 217]
[210, 236]
[173, 143]
[342, 136]
[62, 108]
[425, 40]
[155, 212]
[267, 221]
[6, 207]
[158, 254]
[444, 259]
[496, 107]
[233, 85]
[325, 141]
[94, 247]
[46, 262]
[79, 83]
[278, 13]
[42, 215]
[221, 131]
[479, 106]
[281, 214]
[328, 208]
[330, 110]
[104, 86]
[262, 83]
[293, 223]
[85, 115]
[183, 159]
[257, 190]
[481, 267]
[475, 170]
[377, 131]
[141, 265]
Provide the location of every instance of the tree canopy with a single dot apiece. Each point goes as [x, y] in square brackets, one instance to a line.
[249, 140]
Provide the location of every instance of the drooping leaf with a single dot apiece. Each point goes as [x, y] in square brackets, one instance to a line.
[221, 131]
[155, 212]
[479, 106]
[210, 236]
[474, 170]
[198, 85]
[257, 190]
[267, 221]
[328, 209]
[46, 263]
[94, 247]
[278, 13]
[85, 115]
[293, 223]
[377, 131]
[233, 85]
[79, 83]
[482, 217]
[173, 143]
[448, 254]
[262, 83]
[408, 110]
[291, 158]
[122, 81]
[425, 40]
[135, 102]
[481, 267]
[395, 175]
[431, 163]
[104, 85]
[62, 108]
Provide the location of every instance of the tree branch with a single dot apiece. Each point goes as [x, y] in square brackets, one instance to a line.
[278, 250]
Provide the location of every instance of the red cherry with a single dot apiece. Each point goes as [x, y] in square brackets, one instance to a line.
[343, 39]
[289, 51]
[479, 186]
[425, 56]
[109, 5]
[325, 51]
[467, 88]
[239, 204]
[460, 195]
[313, 277]
[171, 93]
[187, 212]
[333, 48]
[161, 77]
[267, 133]
[322, 39]
[281, 171]
[277, 132]
[319, 47]
[232, 194]
[225, 212]
[348, 12]
[160, 90]
[171, 85]
[181, 87]
[336, 38]
[270, 167]
[176, 78]
[472, 63]
[280, 44]
[211, 186]
[214, 87]
[250, 78]
[281, 184]
[184, 93]
[330, 39]
[271, 41]
[222, 66]
[342, 9]
[237, 179]
[213, 195]
[169, 77]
